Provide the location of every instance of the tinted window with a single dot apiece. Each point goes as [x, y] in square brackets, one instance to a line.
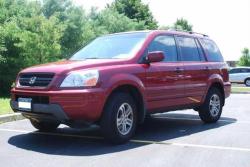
[239, 70]
[188, 49]
[167, 45]
[245, 70]
[233, 71]
[212, 50]
[201, 52]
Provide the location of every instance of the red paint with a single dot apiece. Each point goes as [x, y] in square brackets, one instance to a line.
[159, 83]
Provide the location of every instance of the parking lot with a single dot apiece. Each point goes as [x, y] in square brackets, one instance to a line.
[171, 139]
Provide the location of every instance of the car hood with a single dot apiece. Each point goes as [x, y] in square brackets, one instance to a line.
[62, 67]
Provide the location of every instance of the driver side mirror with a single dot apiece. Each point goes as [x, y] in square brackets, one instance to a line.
[153, 57]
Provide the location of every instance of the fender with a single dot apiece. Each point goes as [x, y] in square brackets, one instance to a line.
[124, 79]
[214, 78]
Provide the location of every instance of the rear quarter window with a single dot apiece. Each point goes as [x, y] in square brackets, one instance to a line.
[212, 50]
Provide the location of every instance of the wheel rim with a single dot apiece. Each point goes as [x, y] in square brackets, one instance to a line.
[214, 105]
[248, 82]
[124, 119]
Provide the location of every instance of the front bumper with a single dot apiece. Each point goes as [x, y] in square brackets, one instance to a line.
[42, 111]
[62, 105]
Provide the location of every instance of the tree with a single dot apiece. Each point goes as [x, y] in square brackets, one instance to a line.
[245, 58]
[40, 41]
[56, 7]
[35, 32]
[110, 21]
[182, 24]
[135, 9]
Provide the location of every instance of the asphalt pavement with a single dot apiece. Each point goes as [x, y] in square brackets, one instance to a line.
[173, 139]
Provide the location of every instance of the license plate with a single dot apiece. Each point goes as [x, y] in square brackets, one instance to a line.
[24, 104]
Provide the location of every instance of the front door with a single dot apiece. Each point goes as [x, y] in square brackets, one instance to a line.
[164, 80]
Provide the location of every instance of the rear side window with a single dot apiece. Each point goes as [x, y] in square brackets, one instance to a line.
[212, 50]
[188, 49]
[167, 45]
[245, 70]
[234, 71]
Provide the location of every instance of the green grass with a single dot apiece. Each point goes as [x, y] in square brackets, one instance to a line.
[5, 106]
[240, 89]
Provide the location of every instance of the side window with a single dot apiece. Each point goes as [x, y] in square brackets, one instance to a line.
[244, 70]
[212, 50]
[235, 71]
[188, 49]
[167, 45]
[201, 52]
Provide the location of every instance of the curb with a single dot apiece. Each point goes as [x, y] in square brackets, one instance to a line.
[240, 92]
[11, 117]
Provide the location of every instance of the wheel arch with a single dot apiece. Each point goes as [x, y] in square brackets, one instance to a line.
[220, 87]
[136, 94]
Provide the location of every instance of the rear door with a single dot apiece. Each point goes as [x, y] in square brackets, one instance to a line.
[196, 71]
[164, 80]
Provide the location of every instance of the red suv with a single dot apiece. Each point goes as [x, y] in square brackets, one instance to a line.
[118, 79]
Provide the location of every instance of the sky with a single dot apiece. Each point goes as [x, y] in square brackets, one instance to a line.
[227, 22]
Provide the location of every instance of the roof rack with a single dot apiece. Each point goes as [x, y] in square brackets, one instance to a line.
[204, 35]
[190, 32]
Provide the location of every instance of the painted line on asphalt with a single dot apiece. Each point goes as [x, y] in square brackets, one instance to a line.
[185, 145]
[197, 119]
[52, 134]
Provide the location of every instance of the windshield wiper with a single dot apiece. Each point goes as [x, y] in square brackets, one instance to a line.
[92, 58]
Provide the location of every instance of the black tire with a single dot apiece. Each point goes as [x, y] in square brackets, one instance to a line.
[247, 82]
[112, 111]
[207, 112]
[44, 126]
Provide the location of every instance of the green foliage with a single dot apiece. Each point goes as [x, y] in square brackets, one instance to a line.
[135, 9]
[245, 58]
[182, 24]
[110, 21]
[40, 40]
[35, 32]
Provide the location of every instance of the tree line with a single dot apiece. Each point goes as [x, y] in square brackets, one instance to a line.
[41, 31]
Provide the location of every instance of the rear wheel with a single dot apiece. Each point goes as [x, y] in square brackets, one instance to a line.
[44, 125]
[247, 82]
[119, 119]
[211, 110]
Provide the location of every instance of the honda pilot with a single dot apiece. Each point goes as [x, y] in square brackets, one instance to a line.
[118, 79]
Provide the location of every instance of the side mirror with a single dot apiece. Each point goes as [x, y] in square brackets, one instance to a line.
[153, 57]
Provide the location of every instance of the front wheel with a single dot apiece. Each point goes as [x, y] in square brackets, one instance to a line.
[44, 126]
[119, 119]
[247, 82]
[211, 110]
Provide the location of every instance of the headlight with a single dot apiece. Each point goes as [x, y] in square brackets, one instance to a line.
[81, 79]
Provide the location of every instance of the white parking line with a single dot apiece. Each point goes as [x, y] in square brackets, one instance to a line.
[196, 119]
[135, 141]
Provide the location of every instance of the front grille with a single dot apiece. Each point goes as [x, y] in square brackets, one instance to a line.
[35, 80]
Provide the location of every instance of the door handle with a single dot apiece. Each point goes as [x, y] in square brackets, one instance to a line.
[178, 70]
[206, 68]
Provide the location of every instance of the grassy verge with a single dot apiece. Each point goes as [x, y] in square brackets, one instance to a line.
[240, 89]
[5, 106]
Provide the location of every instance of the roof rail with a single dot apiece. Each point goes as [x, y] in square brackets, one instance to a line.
[204, 35]
[190, 32]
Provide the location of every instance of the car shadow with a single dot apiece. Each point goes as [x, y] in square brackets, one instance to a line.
[158, 128]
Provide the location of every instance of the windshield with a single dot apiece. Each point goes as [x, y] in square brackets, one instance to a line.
[118, 46]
